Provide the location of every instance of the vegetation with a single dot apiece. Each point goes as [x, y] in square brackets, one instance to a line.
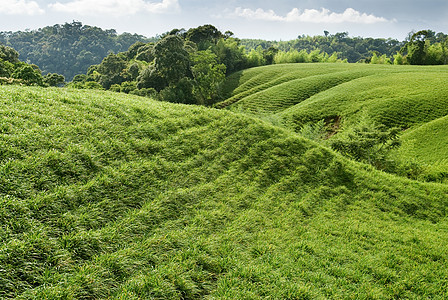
[367, 142]
[71, 48]
[203, 55]
[339, 96]
[424, 47]
[312, 180]
[425, 147]
[14, 71]
[107, 195]
[354, 49]
[183, 66]
[68, 49]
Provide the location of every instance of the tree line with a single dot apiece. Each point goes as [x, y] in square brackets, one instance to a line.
[424, 47]
[14, 71]
[183, 66]
[67, 49]
[354, 49]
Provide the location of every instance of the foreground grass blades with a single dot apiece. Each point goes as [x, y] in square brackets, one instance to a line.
[109, 196]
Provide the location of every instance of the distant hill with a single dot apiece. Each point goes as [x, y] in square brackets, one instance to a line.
[111, 196]
[68, 49]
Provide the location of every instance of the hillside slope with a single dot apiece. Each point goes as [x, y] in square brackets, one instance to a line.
[119, 197]
[409, 97]
[428, 143]
[395, 95]
[403, 99]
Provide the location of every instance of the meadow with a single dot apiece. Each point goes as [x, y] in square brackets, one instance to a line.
[112, 196]
[412, 98]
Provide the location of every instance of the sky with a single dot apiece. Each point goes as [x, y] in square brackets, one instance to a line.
[262, 19]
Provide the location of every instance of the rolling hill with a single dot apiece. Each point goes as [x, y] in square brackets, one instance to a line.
[110, 196]
[393, 95]
[414, 98]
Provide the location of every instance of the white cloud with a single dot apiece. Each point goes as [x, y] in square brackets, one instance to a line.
[116, 7]
[310, 16]
[20, 7]
[258, 14]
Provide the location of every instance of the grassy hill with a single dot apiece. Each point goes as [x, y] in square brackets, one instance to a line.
[393, 95]
[109, 196]
[427, 145]
[414, 98]
[428, 142]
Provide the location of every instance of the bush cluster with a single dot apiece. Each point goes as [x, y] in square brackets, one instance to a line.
[14, 71]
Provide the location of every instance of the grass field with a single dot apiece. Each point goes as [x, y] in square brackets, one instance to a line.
[109, 196]
[428, 142]
[414, 98]
[395, 95]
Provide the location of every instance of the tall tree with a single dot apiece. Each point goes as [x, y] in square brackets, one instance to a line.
[204, 36]
[208, 74]
[171, 59]
[415, 48]
[111, 70]
[8, 54]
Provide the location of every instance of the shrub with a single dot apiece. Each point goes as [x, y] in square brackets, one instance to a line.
[92, 85]
[128, 86]
[29, 74]
[145, 92]
[54, 79]
[367, 142]
[5, 80]
[115, 88]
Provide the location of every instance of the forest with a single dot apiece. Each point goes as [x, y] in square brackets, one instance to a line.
[354, 49]
[67, 49]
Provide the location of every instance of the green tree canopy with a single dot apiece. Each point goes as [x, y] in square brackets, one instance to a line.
[415, 48]
[171, 58]
[8, 54]
[111, 70]
[68, 49]
[204, 36]
[30, 74]
[171, 63]
[54, 79]
[208, 74]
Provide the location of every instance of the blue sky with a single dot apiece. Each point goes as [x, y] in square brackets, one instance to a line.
[272, 20]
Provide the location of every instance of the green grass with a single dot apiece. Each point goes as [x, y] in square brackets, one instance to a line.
[248, 82]
[301, 93]
[110, 196]
[414, 98]
[427, 143]
[403, 99]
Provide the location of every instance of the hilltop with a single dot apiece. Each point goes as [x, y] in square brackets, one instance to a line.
[107, 195]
